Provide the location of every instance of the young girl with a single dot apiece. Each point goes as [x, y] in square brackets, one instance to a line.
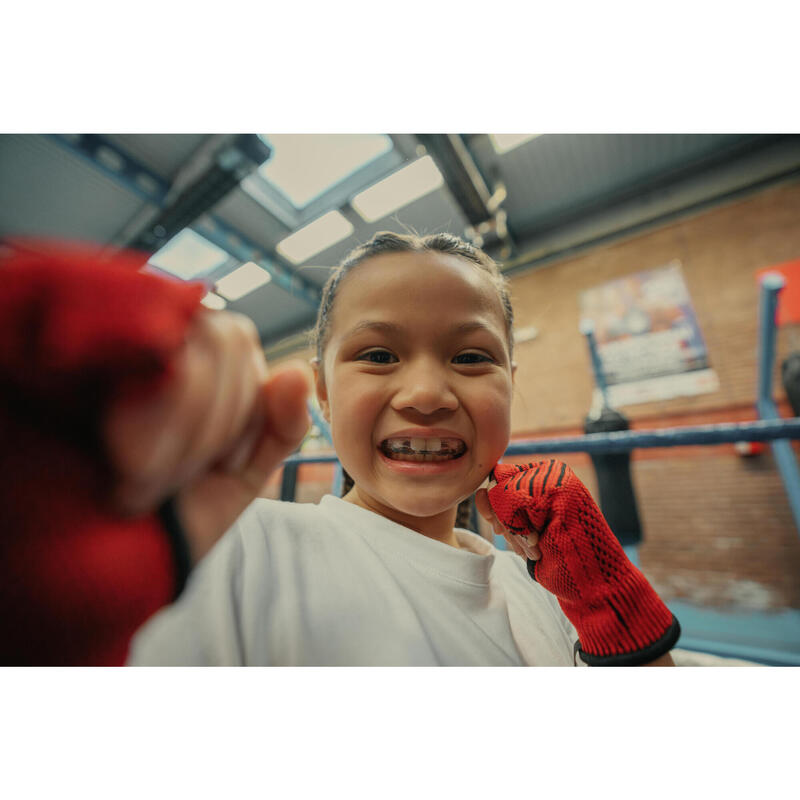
[414, 373]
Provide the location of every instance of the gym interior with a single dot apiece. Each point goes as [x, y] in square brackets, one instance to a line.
[655, 280]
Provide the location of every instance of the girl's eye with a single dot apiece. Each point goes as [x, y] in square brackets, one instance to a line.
[473, 358]
[376, 357]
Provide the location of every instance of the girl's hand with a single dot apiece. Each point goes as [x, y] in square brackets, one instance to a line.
[212, 434]
[524, 546]
[619, 618]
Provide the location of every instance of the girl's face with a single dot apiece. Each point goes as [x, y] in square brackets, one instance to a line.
[417, 350]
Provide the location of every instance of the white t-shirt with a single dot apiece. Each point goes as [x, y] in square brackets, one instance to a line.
[336, 584]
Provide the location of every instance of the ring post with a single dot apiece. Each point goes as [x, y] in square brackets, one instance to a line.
[771, 285]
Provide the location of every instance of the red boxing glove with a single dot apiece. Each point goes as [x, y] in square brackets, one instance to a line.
[619, 618]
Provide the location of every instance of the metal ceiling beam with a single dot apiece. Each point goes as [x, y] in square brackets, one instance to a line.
[460, 174]
[238, 245]
[210, 174]
[479, 204]
[141, 181]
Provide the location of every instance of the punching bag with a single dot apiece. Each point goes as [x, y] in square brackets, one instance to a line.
[790, 372]
[617, 498]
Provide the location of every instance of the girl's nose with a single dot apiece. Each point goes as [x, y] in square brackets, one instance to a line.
[425, 389]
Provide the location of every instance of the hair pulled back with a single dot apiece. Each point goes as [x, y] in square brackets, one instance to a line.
[387, 242]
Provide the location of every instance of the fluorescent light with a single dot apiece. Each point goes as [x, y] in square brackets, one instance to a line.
[188, 255]
[398, 190]
[304, 166]
[315, 237]
[242, 281]
[214, 301]
[503, 142]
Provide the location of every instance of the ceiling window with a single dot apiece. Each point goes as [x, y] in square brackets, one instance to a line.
[304, 166]
[315, 237]
[504, 142]
[399, 189]
[188, 255]
[211, 300]
[242, 281]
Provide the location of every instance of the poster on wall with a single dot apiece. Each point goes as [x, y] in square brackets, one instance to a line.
[648, 338]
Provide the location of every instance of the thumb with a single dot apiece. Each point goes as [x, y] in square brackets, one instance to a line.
[286, 419]
[285, 396]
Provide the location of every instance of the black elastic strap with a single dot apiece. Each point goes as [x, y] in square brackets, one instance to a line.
[182, 560]
[659, 648]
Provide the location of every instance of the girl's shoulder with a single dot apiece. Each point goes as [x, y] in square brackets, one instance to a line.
[276, 520]
[274, 516]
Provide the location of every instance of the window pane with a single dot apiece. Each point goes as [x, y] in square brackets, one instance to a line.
[304, 166]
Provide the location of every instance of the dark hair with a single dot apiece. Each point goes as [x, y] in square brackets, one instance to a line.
[387, 242]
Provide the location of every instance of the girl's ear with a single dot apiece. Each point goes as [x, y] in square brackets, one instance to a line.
[321, 389]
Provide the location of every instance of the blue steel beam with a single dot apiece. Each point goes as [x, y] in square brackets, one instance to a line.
[771, 285]
[621, 441]
[587, 329]
[238, 245]
[216, 168]
[135, 177]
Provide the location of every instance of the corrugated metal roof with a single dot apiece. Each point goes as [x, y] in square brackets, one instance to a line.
[47, 191]
[554, 175]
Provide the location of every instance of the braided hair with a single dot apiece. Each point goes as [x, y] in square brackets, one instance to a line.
[387, 242]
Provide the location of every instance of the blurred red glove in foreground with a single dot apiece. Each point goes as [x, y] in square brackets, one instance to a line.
[76, 331]
[619, 618]
[120, 393]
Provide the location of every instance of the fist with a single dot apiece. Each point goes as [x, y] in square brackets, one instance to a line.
[212, 433]
[619, 618]
[547, 506]
[524, 495]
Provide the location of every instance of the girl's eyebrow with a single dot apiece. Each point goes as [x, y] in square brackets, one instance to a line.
[364, 325]
[391, 328]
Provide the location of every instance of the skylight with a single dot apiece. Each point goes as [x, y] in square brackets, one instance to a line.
[242, 281]
[304, 166]
[211, 300]
[315, 237]
[398, 190]
[503, 142]
[188, 255]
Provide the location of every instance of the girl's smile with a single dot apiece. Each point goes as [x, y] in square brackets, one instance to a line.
[416, 384]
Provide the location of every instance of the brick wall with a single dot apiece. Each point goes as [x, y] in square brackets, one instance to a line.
[717, 526]
[719, 251]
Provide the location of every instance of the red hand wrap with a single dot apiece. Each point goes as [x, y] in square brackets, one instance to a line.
[619, 618]
[76, 330]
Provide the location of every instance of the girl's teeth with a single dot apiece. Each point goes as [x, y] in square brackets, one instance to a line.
[418, 444]
[418, 448]
[419, 457]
